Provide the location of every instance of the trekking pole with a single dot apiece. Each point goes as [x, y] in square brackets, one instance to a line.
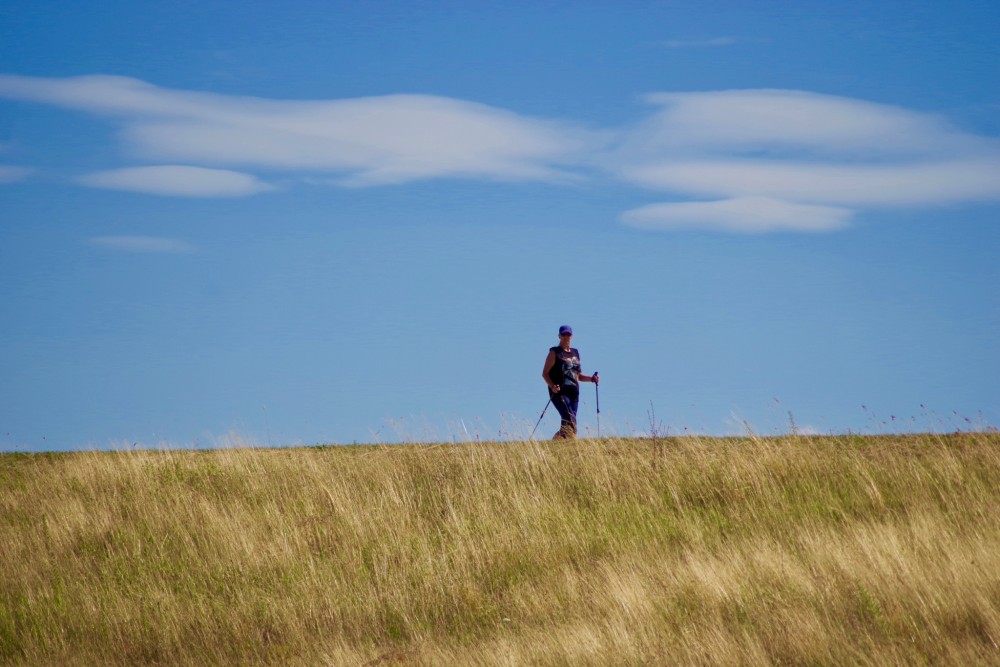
[532, 436]
[597, 392]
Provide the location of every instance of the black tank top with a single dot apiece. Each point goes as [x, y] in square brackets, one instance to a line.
[565, 372]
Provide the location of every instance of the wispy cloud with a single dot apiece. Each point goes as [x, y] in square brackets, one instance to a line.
[10, 174]
[801, 160]
[363, 141]
[698, 43]
[743, 214]
[896, 185]
[737, 160]
[143, 244]
[177, 181]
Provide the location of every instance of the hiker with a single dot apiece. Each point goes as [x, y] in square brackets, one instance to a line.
[563, 377]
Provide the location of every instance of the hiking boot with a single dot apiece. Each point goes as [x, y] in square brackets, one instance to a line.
[565, 433]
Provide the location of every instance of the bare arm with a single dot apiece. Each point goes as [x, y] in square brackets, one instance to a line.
[549, 362]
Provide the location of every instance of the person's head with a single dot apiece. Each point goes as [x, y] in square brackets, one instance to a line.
[565, 333]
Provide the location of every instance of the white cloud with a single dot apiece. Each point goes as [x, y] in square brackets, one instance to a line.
[796, 159]
[178, 181]
[143, 244]
[745, 214]
[737, 156]
[794, 123]
[697, 43]
[9, 174]
[367, 141]
[897, 185]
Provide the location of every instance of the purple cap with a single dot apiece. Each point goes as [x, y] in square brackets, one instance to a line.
[565, 329]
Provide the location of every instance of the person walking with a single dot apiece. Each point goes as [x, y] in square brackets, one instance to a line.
[562, 375]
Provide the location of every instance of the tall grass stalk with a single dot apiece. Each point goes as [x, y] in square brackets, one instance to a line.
[794, 550]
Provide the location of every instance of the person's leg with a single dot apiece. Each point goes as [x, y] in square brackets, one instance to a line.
[567, 427]
[574, 403]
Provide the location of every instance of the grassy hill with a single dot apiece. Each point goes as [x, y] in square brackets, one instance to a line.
[795, 550]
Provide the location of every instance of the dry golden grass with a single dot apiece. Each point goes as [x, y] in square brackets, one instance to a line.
[797, 550]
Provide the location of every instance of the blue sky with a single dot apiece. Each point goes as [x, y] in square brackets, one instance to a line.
[353, 222]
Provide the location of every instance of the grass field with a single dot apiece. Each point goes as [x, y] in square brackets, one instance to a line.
[833, 550]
